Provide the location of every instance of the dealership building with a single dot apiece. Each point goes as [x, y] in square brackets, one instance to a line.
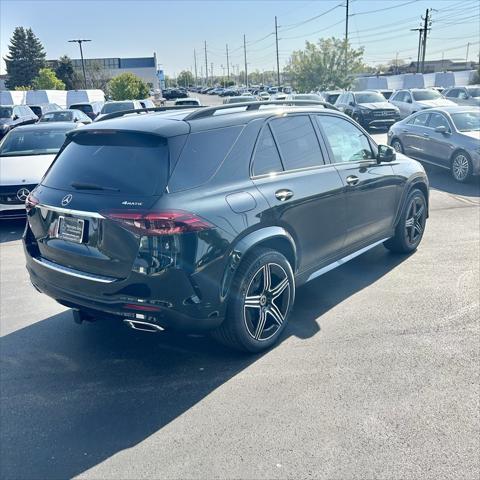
[107, 68]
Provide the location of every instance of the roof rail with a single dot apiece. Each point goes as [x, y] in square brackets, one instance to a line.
[210, 111]
[121, 113]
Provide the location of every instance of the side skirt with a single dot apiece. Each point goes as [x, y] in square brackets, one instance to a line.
[343, 260]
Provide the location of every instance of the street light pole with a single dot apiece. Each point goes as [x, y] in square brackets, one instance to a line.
[80, 41]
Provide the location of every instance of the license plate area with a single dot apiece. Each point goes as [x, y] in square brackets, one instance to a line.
[71, 229]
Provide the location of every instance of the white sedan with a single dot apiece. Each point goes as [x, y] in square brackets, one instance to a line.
[25, 154]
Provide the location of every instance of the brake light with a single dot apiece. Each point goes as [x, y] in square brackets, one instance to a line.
[159, 223]
[31, 202]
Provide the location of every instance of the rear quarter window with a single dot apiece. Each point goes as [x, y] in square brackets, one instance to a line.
[202, 156]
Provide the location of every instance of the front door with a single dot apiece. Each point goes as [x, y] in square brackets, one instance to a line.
[372, 190]
[438, 147]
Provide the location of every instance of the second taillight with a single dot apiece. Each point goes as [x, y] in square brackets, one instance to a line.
[159, 223]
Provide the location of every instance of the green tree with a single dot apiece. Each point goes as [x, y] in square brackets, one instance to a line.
[26, 56]
[47, 80]
[185, 78]
[127, 86]
[328, 64]
[65, 72]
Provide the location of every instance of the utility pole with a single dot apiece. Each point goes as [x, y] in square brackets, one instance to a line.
[425, 33]
[245, 57]
[276, 42]
[195, 63]
[206, 65]
[466, 58]
[419, 54]
[346, 32]
[228, 65]
[80, 41]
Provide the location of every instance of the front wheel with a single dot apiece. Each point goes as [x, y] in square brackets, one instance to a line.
[461, 167]
[410, 227]
[262, 295]
[397, 145]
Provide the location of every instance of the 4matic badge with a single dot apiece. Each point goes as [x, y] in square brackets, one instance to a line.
[132, 204]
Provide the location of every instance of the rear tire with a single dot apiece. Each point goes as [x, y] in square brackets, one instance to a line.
[261, 299]
[461, 167]
[410, 227]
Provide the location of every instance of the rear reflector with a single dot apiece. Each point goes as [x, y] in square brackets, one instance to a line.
[142, 308]
[159, 223]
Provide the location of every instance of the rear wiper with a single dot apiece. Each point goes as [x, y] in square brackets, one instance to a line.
[91, 186]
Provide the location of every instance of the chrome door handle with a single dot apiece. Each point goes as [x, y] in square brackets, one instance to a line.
[352, 180]
[283, 194]
[426, 135]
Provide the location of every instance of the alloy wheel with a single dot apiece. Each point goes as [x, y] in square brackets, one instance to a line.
[416, 217]
[267, 301]
[460, 167]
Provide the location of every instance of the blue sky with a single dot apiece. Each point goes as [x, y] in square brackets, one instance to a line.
[123, 28]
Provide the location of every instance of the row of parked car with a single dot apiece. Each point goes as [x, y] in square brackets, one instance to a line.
[12, 116]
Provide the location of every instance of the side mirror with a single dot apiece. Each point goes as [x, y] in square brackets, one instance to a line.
[386, 154]
[441, 129]
[409, 100]
[15, 117]
[352, 104]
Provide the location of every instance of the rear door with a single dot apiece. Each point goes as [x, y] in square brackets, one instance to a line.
[97, 176]
[305, 192]
[372, 190]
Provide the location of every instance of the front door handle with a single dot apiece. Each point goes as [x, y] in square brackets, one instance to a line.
[426, 135]
[352, 180]
[283, 194]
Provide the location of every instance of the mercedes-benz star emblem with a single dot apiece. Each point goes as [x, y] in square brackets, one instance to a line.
[22, 194]
[66, 199]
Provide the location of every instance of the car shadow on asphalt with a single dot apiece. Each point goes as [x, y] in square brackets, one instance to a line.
[441, 179]
[73, 396]
[11, 230]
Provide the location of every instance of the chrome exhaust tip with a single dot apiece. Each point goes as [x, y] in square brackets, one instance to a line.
[144, 326]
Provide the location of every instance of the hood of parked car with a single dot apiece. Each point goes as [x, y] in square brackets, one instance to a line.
[378, 106]
[28, 169]
[438, 102]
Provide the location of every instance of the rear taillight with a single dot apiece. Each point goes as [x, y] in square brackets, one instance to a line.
[159, 223]
[31, 202]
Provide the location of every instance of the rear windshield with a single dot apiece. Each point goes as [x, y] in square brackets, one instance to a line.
[83, 108]
[5, 112]
[420, 95]
[117, 107]
[119, 162]
[33, 142]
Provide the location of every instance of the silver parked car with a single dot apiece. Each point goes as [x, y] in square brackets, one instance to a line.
[448, 137]
[469, 95]
[416, 99]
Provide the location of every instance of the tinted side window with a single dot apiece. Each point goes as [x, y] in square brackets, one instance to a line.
[202, 155]
[453, 93]
[420, 120]
[267, 159]
[297, 142]
[347, 142]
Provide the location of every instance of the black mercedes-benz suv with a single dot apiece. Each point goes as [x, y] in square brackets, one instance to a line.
[209, 219]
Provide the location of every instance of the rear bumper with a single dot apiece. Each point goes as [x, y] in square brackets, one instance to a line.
[169, 299]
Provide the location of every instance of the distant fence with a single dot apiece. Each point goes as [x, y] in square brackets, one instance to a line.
[415, 80]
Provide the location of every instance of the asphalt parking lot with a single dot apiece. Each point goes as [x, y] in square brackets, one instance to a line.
[377, 376]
